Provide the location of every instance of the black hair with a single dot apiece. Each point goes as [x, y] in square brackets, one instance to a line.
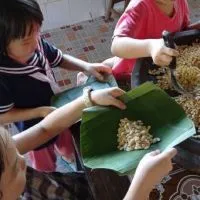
[15, 17]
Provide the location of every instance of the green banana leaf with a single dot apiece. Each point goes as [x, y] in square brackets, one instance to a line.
[147, 103]
[71, 94]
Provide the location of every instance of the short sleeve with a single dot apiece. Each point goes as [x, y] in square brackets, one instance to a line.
[6, 102]
[132, 20]
[53, 54]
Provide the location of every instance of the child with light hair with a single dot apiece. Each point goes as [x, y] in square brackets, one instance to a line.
[150, 171]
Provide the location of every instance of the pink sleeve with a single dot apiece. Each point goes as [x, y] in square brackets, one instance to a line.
[131, 21]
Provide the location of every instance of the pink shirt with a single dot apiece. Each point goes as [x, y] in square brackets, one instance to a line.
[143, 19]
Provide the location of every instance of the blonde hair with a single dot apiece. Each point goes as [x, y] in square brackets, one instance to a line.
[3, 145]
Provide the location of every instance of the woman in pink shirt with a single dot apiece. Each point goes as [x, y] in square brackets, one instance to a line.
[138, 33]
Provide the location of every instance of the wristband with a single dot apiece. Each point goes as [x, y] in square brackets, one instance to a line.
[87, 96]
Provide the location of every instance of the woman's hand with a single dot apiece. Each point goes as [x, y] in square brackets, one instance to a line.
[154, 166]
[98, 70]
[161, 55]
[150, 171]
[108, 97]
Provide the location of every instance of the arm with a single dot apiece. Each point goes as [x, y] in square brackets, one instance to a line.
[126, 47]
[96, 69]
[63, 118]
[137, 191]
[16, 114]
[195, 25]
[150, 171]
[72, 63]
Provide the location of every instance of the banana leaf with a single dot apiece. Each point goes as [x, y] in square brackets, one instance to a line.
[71, 94]
[148, 103]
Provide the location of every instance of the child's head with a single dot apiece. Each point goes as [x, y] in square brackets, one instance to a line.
[12, 168]
[20, 22]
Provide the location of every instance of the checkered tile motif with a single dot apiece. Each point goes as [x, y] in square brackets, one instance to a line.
[194, 10]
[89, 41]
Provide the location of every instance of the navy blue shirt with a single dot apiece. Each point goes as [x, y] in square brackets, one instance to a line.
[18, 86]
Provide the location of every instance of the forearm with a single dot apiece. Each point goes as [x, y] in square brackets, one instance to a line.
[138, 190]
[125, 47]
[50, 126]
[195, 25]
[72, 63]
[15, 115]
[63, 117]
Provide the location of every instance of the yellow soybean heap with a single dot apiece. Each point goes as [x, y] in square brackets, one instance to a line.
[134, 135]
[187, 69]
[191, 106]
[188, 75]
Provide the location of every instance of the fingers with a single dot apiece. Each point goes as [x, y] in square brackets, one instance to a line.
[164, 56]
[170, 153]
[167, 55]
[170, 52]
[116, 92]
[98, 75]
[167, 154]
[117, 103]
[53, 108]
[163, 60]
[108, 96]
[100, 71]
[104, 69]
[154, 153]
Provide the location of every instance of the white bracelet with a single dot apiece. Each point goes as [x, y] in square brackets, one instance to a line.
[87, 96]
